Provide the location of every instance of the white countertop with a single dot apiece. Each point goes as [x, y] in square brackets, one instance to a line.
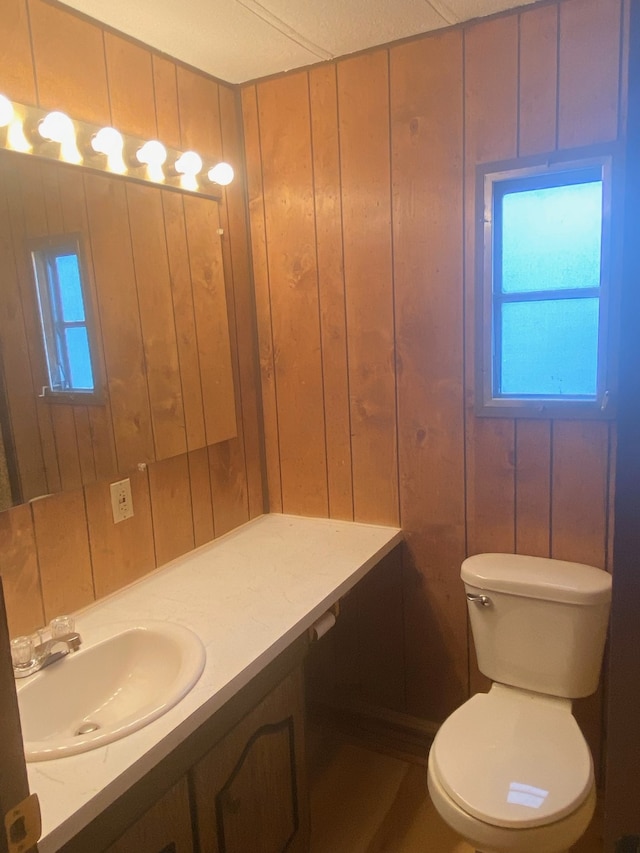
[248, 596]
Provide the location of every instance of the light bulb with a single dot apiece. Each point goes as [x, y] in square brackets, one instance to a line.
[6, 111]
[58, 127]
[188, 163]
[109, 141]
[153, 154]
[222, 174]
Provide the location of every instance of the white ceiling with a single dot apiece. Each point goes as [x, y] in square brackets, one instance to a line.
[239, 40]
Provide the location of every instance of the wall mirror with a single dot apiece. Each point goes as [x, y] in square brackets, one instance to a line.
[155, 293]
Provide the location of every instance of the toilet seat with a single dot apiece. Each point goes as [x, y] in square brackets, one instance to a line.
[513, 759]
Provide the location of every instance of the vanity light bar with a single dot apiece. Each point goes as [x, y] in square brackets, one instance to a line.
[55, 136]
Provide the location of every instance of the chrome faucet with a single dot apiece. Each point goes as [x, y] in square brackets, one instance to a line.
[29, 656]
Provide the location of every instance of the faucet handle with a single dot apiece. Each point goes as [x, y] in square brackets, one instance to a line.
[22, 652]
[61, 625]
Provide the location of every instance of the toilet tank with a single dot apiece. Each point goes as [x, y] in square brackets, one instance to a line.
[538, 623]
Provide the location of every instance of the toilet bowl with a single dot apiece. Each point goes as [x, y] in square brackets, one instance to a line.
[510, 772]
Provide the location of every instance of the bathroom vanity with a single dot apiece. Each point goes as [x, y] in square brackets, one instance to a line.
[226, 764]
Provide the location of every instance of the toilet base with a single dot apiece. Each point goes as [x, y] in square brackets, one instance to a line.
[557, 837]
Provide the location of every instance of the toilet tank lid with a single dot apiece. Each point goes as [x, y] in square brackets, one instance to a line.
[537, 577]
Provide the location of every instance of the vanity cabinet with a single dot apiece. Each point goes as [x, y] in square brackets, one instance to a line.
[165, 828]
[250, 791]
[238, 784]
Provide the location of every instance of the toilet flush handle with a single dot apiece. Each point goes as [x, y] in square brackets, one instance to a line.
[484, 600]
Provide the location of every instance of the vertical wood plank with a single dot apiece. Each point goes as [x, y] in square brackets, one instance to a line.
[491, 130]
[255, 193]
[283, 107]
[19, 569]
[15, 356]
[363, 103]
[130, 81]
[165, 90]
[533, 488]
[491, 99]
[537, 97]
[427, 163]
[589, 71]
[228, 486]
[201, 496]
[123, 552]
[15, 53]
[60, 524]
[157, 320]
[184, 318]
[170, 491]
[248, 375]
[199, 113]
[94, 427]
[580, 491]
[62, 415]
[212, 323]
[122, 336]
[328, 214]
[69, 61]
[29, 220]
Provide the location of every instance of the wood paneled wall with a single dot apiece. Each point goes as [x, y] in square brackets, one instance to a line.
[361, 180]
[61, 552]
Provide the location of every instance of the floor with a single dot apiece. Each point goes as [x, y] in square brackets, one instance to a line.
[367, 802]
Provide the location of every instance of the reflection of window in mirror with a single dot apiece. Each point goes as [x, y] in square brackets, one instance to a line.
[64, 308]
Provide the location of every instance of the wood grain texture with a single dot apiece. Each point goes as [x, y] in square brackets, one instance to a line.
[15, 53]
[170, 492]
[57, 59]
[155, 304]
[283, 110]
[131, 86]
[323, 99]
[589, 71]
[199, 109]
[19, 569]
[491, 114]
[60, 525]
[248, 377]
[363, 104]
[122, 335]
[538, 80]
[165, 91]
[68, 54]
[211, 318]
[165, 827]
[123, 552]
[533, 488]
[18, 383]
[201, 501]
[466, 484]
[255, 193]
[252, 783]
[427, 163]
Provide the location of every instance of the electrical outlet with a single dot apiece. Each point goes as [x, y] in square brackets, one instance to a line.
[121, 502]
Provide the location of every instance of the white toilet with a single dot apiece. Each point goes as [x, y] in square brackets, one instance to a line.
[510, 770]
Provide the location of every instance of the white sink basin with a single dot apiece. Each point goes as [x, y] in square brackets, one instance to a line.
[106, 691]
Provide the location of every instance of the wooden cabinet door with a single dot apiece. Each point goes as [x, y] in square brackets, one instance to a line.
[165, 828]
[250, 789]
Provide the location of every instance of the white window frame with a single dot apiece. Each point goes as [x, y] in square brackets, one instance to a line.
[487, 401]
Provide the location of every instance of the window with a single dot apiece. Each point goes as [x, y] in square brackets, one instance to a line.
[544, 298]
[64, 321]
